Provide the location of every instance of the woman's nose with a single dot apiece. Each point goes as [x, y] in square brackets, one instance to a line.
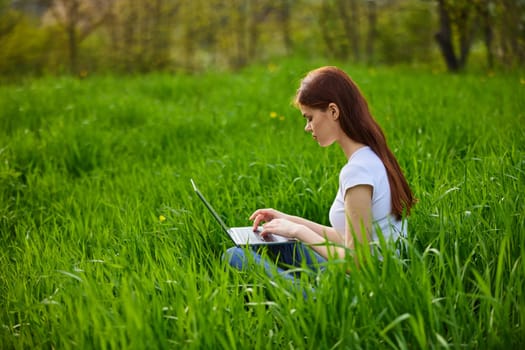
[308, 127]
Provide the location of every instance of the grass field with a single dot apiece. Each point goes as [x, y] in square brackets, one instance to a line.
[103, 245]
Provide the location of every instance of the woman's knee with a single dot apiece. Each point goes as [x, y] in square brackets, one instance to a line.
[235, 256]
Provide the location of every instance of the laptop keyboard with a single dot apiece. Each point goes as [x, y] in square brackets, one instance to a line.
[253, 236]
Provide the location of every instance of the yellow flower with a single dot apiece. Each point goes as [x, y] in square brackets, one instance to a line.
[162, 218]
[522, 81]
[273, 115]
[281, 117]
[272, 67]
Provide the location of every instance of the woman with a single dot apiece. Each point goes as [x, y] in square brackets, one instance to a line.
[373, 194]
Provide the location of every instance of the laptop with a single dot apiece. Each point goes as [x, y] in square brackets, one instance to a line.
[242, 235]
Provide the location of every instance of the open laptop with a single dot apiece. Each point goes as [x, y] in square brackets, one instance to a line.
[242, 235]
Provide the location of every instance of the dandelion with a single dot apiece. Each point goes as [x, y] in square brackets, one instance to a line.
[272, 67]
[162, 218]
[522, 81]
[273, 115]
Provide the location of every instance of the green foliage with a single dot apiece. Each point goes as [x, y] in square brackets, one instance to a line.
[104, 245]
[140, 36]
[407, 37]
[26, 49]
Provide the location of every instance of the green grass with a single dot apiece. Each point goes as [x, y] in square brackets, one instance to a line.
[87, 167]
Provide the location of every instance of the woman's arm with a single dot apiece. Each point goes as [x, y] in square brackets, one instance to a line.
[268, 214]
[323, 231]
[358, 208]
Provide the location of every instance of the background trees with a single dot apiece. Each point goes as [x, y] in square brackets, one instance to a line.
[139, 34]
[78, 19]
[39, 36]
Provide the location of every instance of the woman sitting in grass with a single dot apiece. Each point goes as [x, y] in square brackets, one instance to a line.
[373, 194]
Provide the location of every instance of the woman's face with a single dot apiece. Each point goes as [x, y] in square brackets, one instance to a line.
[323, 124]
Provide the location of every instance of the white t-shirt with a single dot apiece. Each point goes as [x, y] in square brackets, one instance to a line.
[365, 168]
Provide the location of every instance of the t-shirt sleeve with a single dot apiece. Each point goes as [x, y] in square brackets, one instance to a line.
[353, 175]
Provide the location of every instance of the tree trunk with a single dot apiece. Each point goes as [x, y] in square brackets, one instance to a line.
[251, 38]
[487, 32]
[324, 17]
[73, 49]
[444, 38]
[512, 33]
[78, 22]
[372, 30]
[71, 29]
[350, 23]
[285, 17]
[356, 42]
[465, 34]
[241, 33]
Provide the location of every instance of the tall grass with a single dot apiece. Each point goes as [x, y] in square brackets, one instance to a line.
[104, 245]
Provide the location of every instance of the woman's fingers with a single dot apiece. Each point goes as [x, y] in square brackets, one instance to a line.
[259, 216]
[264, 213]
[256, 221]
[255, 213]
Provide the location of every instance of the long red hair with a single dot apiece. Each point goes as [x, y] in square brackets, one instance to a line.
[326, 85]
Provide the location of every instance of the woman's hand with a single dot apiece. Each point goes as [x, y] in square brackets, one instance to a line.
[281, 227]
[265, 215]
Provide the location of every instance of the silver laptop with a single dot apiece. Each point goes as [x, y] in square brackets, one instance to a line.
[242, 235]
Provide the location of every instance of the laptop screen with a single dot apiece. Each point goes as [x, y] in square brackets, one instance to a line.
[210, 208]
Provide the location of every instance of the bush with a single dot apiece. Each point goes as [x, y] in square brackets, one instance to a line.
[26, 48]
[408, 36]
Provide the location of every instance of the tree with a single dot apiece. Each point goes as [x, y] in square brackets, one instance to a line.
[79, 18]
[141, 33]
[372, 29]
[454, 14]
[9, 18]
[350, 22]
[341, 28]
[334, 37]
[511, 30]
[486, 16]
[499, 24]
[284, 17]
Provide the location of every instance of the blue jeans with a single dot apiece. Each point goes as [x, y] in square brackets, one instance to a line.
[284, 256]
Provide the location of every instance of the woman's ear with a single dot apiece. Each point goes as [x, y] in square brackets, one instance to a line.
[334, 110]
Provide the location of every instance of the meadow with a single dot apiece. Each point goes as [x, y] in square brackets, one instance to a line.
[104, 245]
